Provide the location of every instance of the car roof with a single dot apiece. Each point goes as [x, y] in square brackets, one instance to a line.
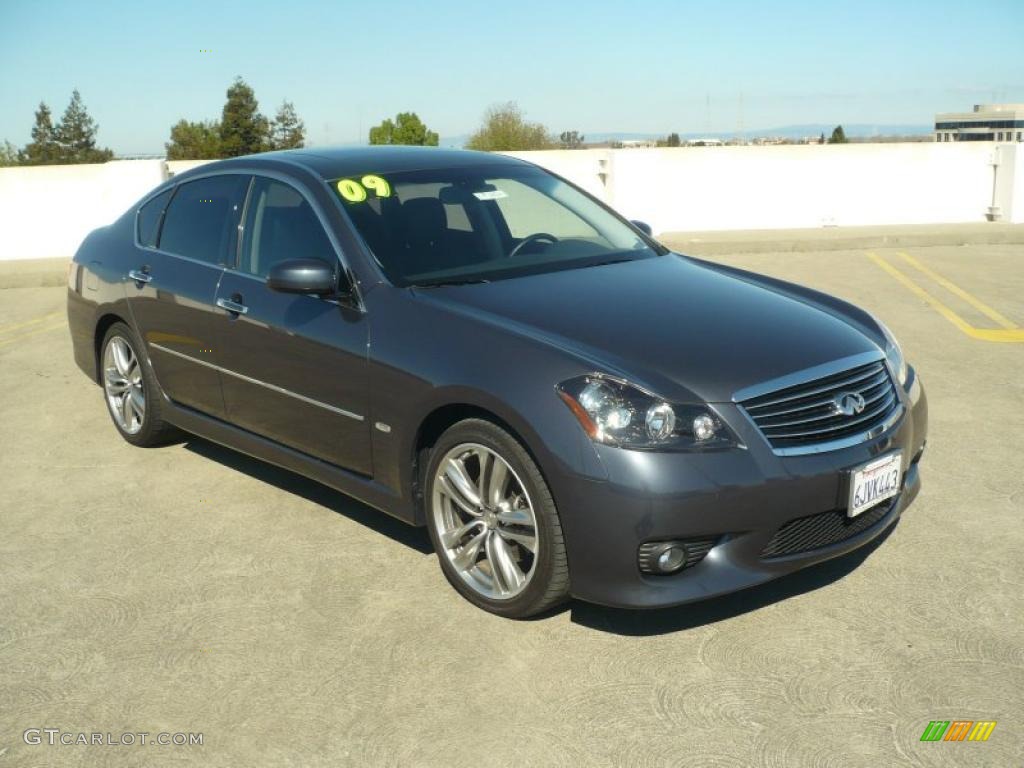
[335, 162]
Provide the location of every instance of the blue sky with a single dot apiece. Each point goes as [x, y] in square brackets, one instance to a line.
[643, 66]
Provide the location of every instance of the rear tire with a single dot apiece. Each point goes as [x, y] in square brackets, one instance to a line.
[493, 522]
[130, 390]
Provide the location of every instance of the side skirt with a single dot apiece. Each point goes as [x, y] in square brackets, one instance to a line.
[359, 487]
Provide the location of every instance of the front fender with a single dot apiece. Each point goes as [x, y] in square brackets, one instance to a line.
[486, 368]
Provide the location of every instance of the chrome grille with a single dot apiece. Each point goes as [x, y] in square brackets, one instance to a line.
[807, 415]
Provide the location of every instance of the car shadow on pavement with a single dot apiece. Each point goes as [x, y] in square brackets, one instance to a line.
[375, 520]
[640, 623]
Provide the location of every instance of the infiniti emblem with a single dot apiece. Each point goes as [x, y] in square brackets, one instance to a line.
[848, 403]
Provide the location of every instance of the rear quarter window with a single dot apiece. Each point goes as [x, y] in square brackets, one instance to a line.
[149, 218]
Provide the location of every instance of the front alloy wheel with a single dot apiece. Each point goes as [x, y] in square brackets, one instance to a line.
[493, 521]
[485, 521]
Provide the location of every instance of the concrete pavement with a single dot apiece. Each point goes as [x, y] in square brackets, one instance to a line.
[191, 589]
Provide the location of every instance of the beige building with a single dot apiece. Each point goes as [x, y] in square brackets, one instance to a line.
[988, 122]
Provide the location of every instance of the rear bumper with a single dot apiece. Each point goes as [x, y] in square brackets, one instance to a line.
[741, 498]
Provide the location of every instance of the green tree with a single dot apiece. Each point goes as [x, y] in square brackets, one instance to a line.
[505, 128]
[672, 140]
[838, 136]
[407, 129]
[75, 135]
[822, 139]
[194, 141]
[571, 139]
[287, 131]
[43, 149]
[9, 154]
[243, 130]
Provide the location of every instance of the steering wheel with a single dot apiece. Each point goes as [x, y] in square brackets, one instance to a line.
[537, 236]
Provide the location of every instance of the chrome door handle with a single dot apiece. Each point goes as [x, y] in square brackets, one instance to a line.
[232, 306]
[139, 276]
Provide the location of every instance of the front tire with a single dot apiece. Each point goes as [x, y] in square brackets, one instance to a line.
[493, 521]
[130, 390]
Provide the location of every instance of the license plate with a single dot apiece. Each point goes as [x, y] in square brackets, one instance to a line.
[874, 483]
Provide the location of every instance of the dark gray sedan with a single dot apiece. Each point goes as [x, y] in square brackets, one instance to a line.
[468, 342]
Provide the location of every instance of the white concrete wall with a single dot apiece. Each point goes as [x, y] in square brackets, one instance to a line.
[1009, 186]
[175, 167]
[781, 187]
[46, 211]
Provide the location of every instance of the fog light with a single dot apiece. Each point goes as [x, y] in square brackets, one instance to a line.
[672, 559]
[662, 558]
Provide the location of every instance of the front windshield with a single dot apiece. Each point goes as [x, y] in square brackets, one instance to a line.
[459, 225]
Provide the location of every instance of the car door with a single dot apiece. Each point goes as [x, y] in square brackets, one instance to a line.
[181, 253]
[294, 366]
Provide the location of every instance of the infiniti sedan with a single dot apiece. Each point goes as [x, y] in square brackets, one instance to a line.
[471, 343]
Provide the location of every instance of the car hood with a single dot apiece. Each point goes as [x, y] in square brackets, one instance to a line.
[669, 323]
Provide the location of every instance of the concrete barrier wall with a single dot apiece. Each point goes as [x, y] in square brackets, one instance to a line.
[788, 187]
[46, 211]
[180, 166]
[1010, 183]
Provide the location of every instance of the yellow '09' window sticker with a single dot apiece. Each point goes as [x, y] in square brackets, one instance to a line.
[356, 191]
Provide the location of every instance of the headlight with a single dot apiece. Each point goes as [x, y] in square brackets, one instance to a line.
[894, 353]
[617, 413]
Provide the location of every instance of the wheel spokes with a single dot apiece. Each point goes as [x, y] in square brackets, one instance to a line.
[451, 539]
[122, 357]
[137, 401]
[485, 460]
[526, 540]
[455, 472]
[126, 410]
[116, 383]
[515, 517]
[449, 490]
[496, 482]
[507, 576]
[466, 557]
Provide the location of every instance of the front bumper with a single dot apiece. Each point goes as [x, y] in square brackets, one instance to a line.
[740, 497]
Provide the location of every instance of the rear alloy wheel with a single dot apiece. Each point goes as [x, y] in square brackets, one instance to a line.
[493, 522]
[122, 382]
[130, 390]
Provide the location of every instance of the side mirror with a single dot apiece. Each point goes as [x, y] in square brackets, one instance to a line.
[644, 227]
[313, 276]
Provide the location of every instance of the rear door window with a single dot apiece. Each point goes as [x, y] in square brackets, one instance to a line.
[202, 219]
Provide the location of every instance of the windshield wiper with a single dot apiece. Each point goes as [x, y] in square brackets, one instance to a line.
[453, 281]
[609, 261]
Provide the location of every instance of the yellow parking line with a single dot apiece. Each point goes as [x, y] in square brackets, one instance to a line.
[1012, 334]
[955, 289]
[25, 335]
[33, 321]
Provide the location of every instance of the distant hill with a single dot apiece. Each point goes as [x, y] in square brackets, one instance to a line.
[858, 130]
[853, 130]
